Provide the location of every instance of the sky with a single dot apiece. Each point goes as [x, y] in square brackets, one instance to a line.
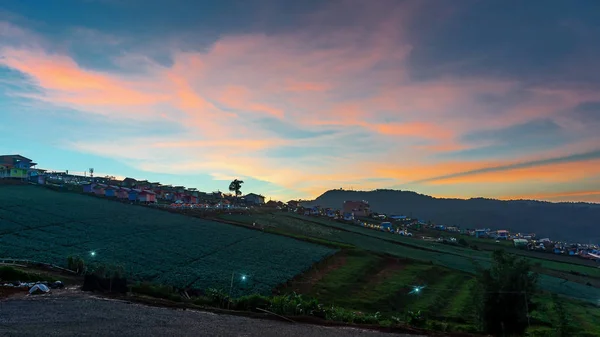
[494, 98]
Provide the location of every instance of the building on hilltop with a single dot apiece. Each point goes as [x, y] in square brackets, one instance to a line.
[256, 199]
[15, 166]
[357, 208]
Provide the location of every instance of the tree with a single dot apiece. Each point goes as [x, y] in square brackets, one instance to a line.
[504, 293]
[236, 186]
[91, 172]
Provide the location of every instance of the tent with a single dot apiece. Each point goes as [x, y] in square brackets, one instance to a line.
[39, 289]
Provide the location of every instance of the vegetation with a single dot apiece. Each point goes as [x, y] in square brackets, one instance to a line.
[505, 293]
[11, 274]
[236, 187]
[141, 239]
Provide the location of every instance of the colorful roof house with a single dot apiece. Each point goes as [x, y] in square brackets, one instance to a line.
[89, 188]
[357, 208]
[99, 189]
[502, 235]
[146, 196]
[190, 199]
[122, 193]
[15, 166]
[480, 233]
[133, 194]
[111, 191]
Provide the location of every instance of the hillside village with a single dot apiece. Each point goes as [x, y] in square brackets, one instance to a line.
[17, 167]
[129, 189]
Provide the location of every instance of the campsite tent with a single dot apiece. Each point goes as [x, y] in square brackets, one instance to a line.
[39, 289]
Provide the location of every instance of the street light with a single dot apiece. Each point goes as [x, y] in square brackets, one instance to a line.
[243, 278]
[92, 253]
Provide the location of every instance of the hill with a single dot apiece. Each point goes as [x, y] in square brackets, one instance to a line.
[564, 221]
[151, 245]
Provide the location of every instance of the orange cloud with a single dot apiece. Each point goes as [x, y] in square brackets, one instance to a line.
[555, 173]
[66, 83]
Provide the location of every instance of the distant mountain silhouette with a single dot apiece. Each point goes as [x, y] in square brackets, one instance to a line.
[574, 222]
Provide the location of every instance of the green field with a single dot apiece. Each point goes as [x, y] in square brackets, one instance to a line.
[152, 245]
[368, 282]
[448, 256]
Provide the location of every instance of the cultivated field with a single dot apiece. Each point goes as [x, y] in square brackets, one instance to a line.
[152, 245]
[447, 256]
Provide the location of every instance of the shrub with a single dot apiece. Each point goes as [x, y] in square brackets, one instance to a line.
[415, 318]
[76, 263]
[504, 296]
[251, 302]
[11, 274]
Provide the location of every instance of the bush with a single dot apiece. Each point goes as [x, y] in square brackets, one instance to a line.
[463, 242]
[504, 295]
[11, 274]
[415, 318]
[76, 264]
[251, 302]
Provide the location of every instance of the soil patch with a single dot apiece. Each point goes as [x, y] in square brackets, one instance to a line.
[304, 283]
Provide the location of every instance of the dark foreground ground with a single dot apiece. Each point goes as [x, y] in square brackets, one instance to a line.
[88, 316]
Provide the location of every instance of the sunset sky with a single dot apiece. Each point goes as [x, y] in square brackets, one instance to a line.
[447, 98]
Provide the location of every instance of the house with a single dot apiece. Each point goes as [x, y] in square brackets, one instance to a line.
[386, 227]
[99, 189]
[15, 166]
[146, 196]
[129, 182]
[502, 235]
[89, 188]
[122, 193]
[133, 194]
[357, 208]
[111, 191]
[189, 199]
[256, 199]
[480, 233]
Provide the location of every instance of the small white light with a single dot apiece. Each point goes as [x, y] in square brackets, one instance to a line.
[243, 277]
[93, 253]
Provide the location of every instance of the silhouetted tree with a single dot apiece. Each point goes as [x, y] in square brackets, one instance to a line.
[91, 172]
[236, 186]
[504, 293]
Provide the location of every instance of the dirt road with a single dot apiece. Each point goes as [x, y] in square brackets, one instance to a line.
[89, 316]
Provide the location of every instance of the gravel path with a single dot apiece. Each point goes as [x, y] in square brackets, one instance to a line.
[88, 316]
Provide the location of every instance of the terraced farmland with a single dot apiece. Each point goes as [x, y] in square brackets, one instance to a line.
[452, 257]
[369, 283]
[152, 245]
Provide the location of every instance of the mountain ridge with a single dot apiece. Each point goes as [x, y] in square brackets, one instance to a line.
[570, 221]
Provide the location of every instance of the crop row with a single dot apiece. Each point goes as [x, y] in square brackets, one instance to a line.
[150, 244]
